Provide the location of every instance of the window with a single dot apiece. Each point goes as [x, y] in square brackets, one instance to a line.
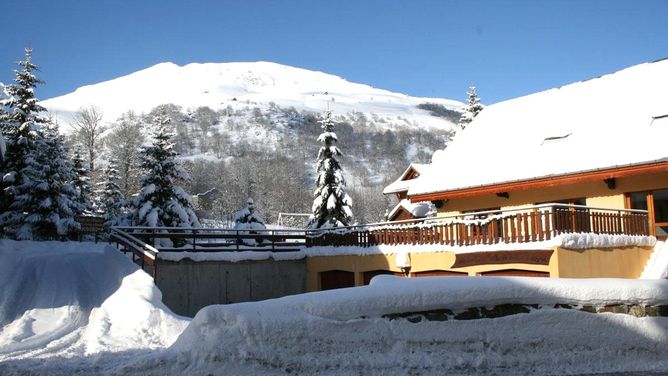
[336, 279]
[656, 204]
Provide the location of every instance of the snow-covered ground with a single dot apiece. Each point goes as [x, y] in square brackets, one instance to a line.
[78, 308]
[76, 302]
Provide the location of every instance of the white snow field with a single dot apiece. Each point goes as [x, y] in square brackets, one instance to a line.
[78, 308]
[218, 85]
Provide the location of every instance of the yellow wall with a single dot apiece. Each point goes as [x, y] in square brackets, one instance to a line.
[597, 194]
[626, 262]
[420, 262]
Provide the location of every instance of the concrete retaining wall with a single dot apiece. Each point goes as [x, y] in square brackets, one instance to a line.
[188, 286]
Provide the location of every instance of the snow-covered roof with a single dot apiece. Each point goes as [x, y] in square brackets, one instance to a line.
[612, 121]
[403, 183]
[417, 209]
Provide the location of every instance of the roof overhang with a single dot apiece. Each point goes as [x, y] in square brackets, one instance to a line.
[402, 184]
[548, 181]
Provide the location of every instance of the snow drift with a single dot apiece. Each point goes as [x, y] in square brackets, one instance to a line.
[347, 331]
[76, 299]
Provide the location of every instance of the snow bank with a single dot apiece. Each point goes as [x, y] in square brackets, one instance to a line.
[344, 331]
[77, 299]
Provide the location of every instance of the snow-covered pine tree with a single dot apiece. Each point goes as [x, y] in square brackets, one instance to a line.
[21, 124]
[59, 201]
[109, 197]
[331, 204]
[161, 203]
[247, 218]
[81, 179]
[472, 109]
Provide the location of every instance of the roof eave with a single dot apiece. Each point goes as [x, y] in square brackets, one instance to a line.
[546, 181]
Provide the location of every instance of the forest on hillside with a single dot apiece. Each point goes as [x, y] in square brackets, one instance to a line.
[264, 152]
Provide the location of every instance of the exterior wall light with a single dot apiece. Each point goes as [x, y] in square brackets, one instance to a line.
[403, 262]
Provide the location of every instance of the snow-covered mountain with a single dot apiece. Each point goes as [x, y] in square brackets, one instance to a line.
[218, 85]
[237, 116]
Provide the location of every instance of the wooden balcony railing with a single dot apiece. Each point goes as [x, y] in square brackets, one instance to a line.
[529, 224]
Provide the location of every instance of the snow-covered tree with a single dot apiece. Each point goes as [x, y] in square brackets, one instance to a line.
[248, 219]
[28, 193]
[109, 197]
[472, 109]
[162, 203]
[87, 123]
[59, 201]
[81, 179]
[123, 142]
[331, 204]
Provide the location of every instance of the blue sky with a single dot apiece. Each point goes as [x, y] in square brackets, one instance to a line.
[419, 47]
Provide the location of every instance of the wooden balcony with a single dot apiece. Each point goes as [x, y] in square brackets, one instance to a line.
[529, 224]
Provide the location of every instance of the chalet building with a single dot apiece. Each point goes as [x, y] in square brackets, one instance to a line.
[569, 182]
[566, 183]
[405, 209]
[600, 143]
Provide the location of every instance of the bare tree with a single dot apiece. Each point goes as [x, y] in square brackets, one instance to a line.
[88, 125]
[123, 144]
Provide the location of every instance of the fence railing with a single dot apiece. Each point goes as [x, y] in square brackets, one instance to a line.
[528, 224]
[179, 239]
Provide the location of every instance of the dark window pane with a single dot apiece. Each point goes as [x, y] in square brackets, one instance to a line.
[638, 200]
[661, 231]
[580, 201]
[661, 205]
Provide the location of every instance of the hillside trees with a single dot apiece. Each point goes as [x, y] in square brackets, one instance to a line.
[332, 207]
[161, 202]
[268, 156]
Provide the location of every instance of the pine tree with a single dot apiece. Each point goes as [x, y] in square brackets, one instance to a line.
[81, 179]
[59, 201]
[331, 204]
[109, 197]
[161, 202]
[472, 109]
[22, 126]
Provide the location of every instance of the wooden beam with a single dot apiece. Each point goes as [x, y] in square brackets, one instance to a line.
[580, 177]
